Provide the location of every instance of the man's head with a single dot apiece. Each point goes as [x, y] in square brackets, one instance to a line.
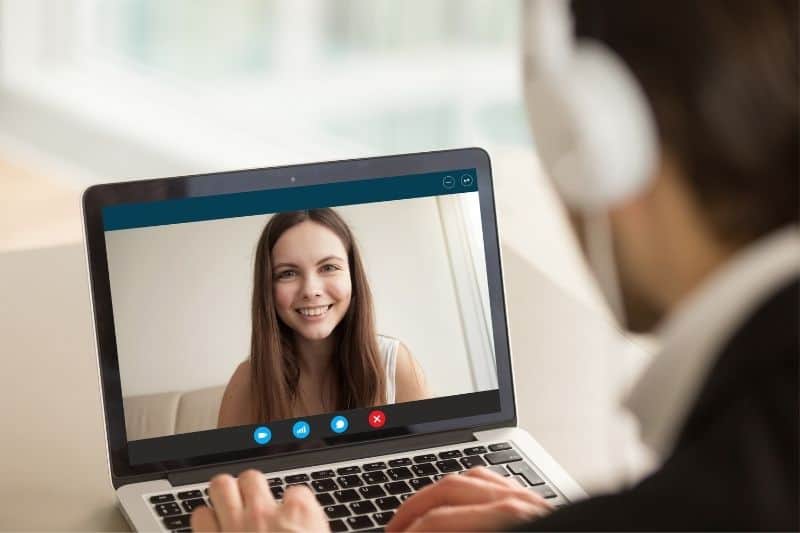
[721, 83]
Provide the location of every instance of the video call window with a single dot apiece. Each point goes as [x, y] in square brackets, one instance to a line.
[247, 320]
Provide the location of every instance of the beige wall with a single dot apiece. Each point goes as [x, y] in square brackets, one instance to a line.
[181, 296]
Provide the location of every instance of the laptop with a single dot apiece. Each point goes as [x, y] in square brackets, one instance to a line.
[338, 324]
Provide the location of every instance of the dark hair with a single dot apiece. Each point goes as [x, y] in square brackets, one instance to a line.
[722, 79]
[274, 371]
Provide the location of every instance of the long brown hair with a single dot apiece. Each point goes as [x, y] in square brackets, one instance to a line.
[274, 371]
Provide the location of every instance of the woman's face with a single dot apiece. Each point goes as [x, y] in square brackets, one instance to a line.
[310, 280]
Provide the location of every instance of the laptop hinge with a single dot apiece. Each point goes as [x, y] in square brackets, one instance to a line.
[322, 457]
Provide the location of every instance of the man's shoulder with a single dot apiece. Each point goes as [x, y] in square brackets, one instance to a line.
[735, 463]
[771, 329]
[763, 349]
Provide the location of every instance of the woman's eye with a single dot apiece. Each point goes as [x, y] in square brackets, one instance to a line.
[329, 268]
[286, 274]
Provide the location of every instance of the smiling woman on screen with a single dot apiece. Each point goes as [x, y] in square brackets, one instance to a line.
[314, 348]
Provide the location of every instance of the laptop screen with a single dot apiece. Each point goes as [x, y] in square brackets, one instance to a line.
[283, 319]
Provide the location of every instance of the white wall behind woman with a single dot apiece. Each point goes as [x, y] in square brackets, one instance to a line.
[181, 296]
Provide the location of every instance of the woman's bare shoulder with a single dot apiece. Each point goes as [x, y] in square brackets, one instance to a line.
[241, 376]
[235, 409]
[409, 378]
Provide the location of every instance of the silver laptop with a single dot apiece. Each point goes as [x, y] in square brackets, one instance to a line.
[337, 324]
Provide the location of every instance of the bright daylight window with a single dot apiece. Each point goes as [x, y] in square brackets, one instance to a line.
[133, 88]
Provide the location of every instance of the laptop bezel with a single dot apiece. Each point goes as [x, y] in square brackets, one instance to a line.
[96, 197]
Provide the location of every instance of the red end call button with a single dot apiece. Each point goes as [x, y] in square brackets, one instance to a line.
[376, 418]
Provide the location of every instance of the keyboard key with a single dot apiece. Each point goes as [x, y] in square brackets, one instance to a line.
[500, 469]
[296, 478]
[507, 456]
[373, 491]
[450, 454]
[420, 482]
[519, 480]
[375, 477]
[544, 491]
[323, 474]
[383, 518]
[324, 485]
[404, 497]
[425, 469]
[168, 509]
[397, 487]
[378, 465]
[449, 465]
[471, 461]
[426, 458]
[273, 481]
[177, 522]
[348, 470]
[499, 447]
[437, 477]
[205, 491]
[345, 496]
[336, 511]
[399, 473]
[347, 482]
[162, 498]
[189, 494]
[277, 492]
[403, 461]
[388, 503]
[359, 522]
[363, 507]
[325, 499]
[525, 470]
[191, 505]
[337, 526]
[475, 450]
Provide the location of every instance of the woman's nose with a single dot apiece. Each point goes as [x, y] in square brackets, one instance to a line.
[312, 288]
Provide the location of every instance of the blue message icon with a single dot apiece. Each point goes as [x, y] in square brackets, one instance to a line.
[262, 435]
[301, 429]
[339, 424]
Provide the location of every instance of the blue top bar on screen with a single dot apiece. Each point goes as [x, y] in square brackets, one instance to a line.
[139, 215]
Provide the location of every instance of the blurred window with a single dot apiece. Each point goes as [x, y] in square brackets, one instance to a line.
[254, 82]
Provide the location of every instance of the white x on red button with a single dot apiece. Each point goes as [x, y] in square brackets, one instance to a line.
[376, 418]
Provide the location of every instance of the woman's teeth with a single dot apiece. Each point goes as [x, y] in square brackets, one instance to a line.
[314, 311]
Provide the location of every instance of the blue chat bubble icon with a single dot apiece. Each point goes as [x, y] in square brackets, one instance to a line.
[339, 424]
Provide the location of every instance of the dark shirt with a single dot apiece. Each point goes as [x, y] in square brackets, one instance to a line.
[735, 463]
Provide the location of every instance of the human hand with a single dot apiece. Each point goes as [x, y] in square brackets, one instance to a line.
[476, 500]
[248, 505]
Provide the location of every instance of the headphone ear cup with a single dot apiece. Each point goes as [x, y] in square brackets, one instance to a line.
[592, 127]
[617, 135]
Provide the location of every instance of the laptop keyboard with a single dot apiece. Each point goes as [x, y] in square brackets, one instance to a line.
[364, 496]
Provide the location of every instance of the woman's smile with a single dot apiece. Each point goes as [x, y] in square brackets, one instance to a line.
[314, 313]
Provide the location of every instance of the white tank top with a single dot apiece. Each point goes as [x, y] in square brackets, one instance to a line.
[387, 346]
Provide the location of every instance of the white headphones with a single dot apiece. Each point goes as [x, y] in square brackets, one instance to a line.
[592, 126]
